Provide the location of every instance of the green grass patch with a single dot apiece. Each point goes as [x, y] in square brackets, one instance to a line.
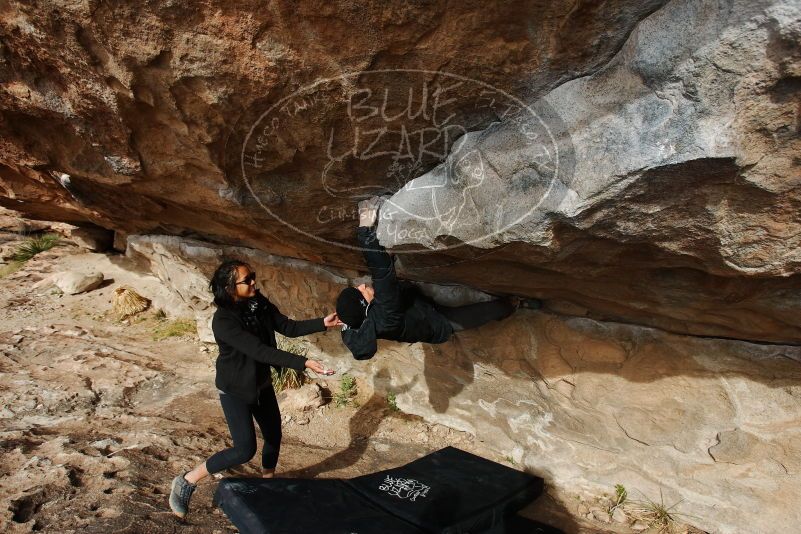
[177, 327]
[34, 245]
[347, 390]
[621, 497]
[10, 268]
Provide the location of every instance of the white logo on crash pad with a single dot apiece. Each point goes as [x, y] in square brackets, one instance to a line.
[404, 488]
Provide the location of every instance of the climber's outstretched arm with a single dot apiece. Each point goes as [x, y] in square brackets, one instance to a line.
[381, 265]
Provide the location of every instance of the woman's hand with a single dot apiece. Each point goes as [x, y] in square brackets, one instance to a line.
[332, 320]
[317, 367]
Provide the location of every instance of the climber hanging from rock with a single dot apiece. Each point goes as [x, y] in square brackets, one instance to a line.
[385, 310]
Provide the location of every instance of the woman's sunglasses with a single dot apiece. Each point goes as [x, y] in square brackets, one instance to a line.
[249, 279]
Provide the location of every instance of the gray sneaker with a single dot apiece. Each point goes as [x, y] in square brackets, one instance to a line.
[180, 494]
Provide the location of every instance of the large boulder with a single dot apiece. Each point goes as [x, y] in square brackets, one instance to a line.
[662, 189]
[636, 159]
[73, 282]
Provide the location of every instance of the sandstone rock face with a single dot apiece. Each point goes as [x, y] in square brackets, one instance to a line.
[586, 404]
[633, 163]
[666, 195]
[87, 236]
[187, 265]
[92, 238]
[128, 115]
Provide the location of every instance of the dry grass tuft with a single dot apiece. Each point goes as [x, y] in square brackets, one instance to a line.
[288, 378]
[127, 302]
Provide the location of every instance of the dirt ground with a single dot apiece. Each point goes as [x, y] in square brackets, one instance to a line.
[97, 416]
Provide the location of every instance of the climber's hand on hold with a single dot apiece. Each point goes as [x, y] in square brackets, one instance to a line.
[368, 211]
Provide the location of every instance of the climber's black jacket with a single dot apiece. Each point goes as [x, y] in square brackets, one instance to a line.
[246, 337]
[396, 313]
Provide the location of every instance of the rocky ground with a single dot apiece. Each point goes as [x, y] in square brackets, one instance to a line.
[97, 414]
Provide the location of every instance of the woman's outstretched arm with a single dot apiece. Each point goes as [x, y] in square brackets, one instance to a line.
[291, 328]
[229, 331]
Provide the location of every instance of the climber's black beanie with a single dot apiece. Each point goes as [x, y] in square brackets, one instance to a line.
[351, 305]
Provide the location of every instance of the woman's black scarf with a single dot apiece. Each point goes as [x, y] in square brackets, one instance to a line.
[250, 310]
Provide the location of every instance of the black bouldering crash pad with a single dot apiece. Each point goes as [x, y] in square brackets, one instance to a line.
[297, 506]
[447, 492]
[450, 491]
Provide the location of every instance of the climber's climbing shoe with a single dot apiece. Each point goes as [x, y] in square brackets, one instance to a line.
[530, 304]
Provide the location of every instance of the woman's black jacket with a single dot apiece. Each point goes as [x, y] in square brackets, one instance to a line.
[245, 357]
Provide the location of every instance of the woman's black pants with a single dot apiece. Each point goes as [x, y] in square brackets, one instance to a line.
[240, 415]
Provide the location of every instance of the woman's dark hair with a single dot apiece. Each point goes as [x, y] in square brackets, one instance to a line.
[223, 283]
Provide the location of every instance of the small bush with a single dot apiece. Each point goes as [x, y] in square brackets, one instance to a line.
[656, 514]
[178, 327]
[34, 245]
[286, 379]
[392, 402]
[347, 390]
[620, 497]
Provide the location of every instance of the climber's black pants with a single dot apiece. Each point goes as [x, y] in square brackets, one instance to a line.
[475, 315]
[240, 416]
